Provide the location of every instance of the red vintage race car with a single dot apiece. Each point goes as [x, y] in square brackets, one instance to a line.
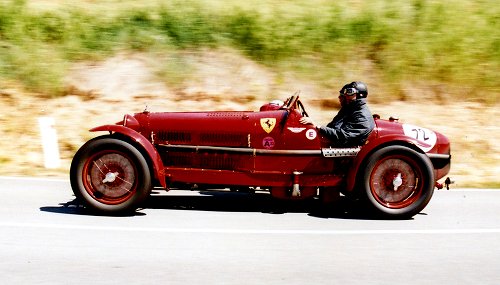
[394, 172]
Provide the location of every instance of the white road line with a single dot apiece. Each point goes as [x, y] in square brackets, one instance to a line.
[253, 231]
[36, 179]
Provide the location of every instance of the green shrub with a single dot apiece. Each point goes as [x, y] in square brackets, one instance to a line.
[455, 43]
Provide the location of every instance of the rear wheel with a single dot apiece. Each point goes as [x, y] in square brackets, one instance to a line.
[110, 175]
[398, 182]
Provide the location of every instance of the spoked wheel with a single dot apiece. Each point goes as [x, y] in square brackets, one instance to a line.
[398, 182]
[110, 175]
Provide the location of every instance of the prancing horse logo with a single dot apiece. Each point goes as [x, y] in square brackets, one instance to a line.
[268, 124]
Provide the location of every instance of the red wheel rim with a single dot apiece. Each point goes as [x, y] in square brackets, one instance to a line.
[110, 177]
[396, 182]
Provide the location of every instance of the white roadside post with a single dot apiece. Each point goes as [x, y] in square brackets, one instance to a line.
[49, 142]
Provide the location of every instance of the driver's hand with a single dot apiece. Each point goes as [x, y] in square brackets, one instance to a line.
[307, 121]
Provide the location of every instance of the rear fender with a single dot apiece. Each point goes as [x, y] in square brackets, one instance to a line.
[147, 148]
[372, 146]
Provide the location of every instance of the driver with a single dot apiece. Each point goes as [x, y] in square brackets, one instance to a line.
[353, 123]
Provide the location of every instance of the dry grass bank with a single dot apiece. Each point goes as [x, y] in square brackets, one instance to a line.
[101, 92]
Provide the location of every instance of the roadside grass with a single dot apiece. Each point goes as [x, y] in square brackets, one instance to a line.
[455, 44]
[471, 127]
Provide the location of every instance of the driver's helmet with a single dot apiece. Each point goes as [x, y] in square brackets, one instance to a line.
[356, 87]
[273, 105]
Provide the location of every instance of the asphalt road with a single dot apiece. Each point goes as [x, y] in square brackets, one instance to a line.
[192, 237]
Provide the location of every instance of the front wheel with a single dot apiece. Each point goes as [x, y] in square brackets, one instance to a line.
[110, 175]
[398, 182]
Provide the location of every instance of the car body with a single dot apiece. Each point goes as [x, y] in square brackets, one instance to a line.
[395, 171]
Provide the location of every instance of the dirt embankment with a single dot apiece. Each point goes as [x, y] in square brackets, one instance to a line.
[101, 93]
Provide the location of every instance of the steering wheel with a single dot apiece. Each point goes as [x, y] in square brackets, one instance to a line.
[301, 109]
[292, 103]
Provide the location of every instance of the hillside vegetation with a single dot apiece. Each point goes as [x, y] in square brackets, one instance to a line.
[450, 47]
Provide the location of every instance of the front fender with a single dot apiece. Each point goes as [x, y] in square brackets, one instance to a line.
[154, 156]
[371, 147]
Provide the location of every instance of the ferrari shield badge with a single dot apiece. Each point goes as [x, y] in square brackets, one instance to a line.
[268, 124]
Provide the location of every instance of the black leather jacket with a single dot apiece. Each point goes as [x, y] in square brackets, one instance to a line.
[351, 126]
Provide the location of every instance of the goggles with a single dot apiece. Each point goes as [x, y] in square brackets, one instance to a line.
[349, 92]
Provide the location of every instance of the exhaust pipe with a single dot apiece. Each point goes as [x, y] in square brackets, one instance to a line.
[447, 184]
[296, 186]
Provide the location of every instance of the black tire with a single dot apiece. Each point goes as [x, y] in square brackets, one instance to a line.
[110, 176]
[398, 182]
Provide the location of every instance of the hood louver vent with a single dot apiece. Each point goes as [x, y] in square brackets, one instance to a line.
[209, 139]
[174, 137]
[221, 139]
[224, 114]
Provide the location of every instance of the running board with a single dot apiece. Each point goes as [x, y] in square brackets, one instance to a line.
[340, 152]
